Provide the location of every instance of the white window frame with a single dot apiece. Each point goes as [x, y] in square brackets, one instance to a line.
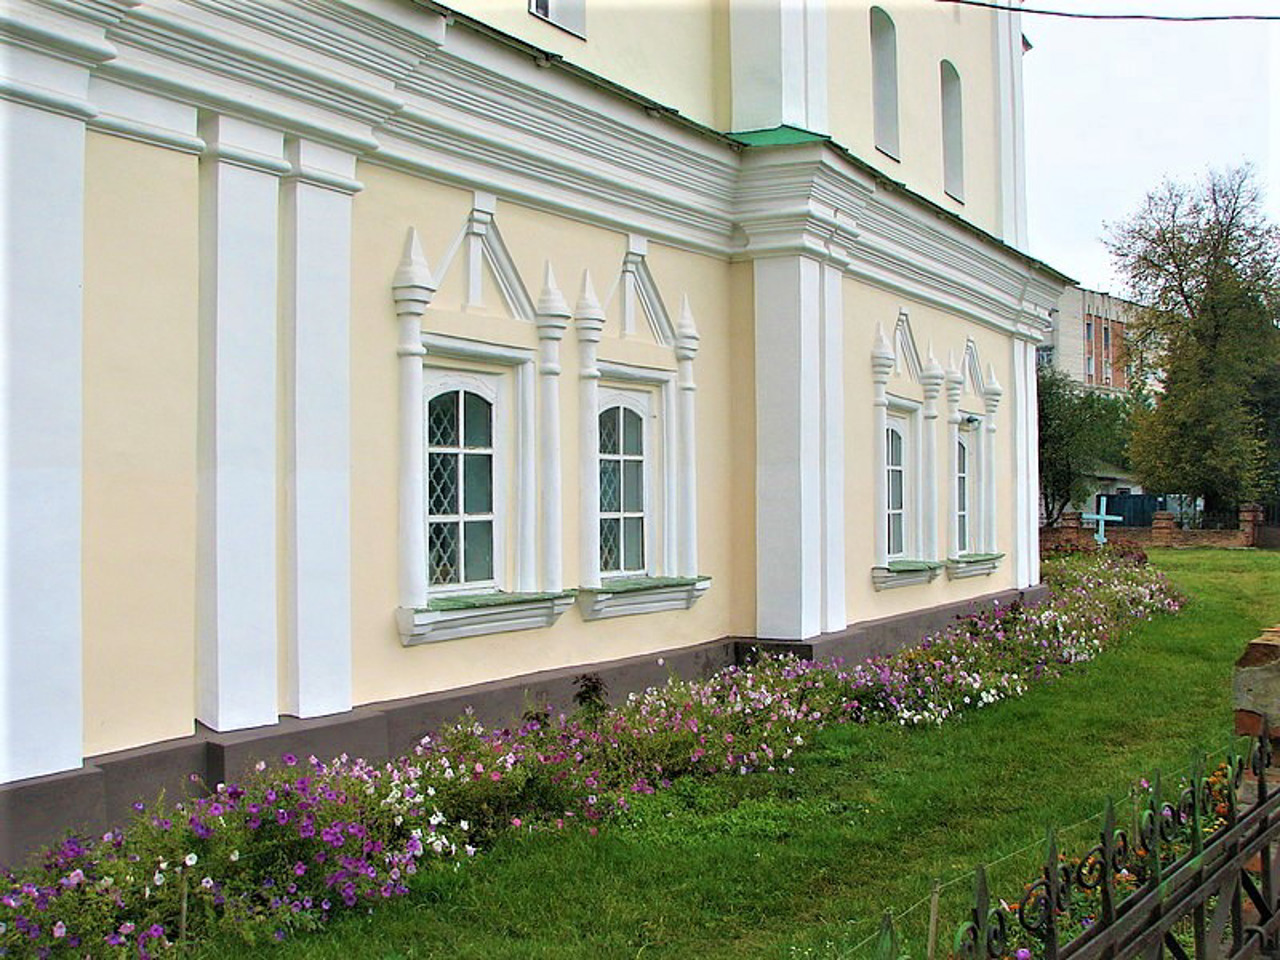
[490, 386]
[642, 403]
[904, 416]
[964, 493]
[569, 15]
[973, 434]
[952, 94]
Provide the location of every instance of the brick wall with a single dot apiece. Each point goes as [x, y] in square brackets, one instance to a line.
[1163, 532]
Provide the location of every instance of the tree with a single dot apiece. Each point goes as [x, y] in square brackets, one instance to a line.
[1079, 430]
[1203, 264]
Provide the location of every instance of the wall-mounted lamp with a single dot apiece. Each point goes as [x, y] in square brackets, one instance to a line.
[972, 421]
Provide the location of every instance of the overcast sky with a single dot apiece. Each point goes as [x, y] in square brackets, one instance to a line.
[1112, 107]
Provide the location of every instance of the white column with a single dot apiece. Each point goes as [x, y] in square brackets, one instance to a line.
[686, 349]
[834, 613]
[882, 360]
[931, 379]
[589, 319]
[788, 447]
[412, 288]
[236, 609]
[42, 145]
[315, 340]
[553, 320]
[954, 384]
[990, 481]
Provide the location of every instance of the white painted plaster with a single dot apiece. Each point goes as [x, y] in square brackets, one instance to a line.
[315, 342]
[589, 320]
[788, 447]
[834, 613]
[41, 274]
[236, 611]
[553, 319]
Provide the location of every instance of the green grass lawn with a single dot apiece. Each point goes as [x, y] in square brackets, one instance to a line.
[804, 865]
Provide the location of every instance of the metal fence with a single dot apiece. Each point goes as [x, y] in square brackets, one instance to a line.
[1199, 867]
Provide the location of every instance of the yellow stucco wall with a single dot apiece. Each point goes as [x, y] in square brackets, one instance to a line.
[926, 35]
[864, 306]
[674, 53]
[392, 202]
[140, 314]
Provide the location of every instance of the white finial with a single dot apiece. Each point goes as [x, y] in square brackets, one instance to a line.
[588, 314]
[993, 385]
[551, 303]
[412, 287]
[686, 331]
[882, 347]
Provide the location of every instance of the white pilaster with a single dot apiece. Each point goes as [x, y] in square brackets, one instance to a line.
[991, 395]
[834, 613]
[788, 447]
[882, 363]
[778, 56]
[686, 350]
[315, 338]
[236, 611]
[553, 320]
[589, 319]
[412, 288]
[1026, 536]
[954, 384]
[931, 379]
[42, 144]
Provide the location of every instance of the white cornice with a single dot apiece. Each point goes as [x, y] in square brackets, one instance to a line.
[404, 86]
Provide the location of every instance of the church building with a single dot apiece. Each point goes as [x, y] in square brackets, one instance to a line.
[368, 355]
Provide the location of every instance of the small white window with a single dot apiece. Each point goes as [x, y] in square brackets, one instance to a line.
[884, 82]
[952, 132]
[460, 490]
[962, 495]
[570, 15]
[896, 469]
[623, 497]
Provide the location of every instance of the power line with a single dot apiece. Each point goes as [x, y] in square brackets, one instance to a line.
[1164, 18]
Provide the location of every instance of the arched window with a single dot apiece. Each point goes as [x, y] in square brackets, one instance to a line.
[952, 132]
[895, 512]
[622, 491]
[460, 489]
[884, 81]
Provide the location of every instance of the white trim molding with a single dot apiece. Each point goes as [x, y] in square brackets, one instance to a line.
[588, 317]
[553, 319]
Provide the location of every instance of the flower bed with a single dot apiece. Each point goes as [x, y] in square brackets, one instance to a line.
[297, 843]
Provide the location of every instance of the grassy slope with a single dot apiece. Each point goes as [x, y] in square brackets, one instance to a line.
[803, 865]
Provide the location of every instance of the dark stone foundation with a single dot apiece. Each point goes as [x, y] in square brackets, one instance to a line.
[100, 794]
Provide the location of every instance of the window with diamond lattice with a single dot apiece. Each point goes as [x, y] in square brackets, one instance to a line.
[622, 493]
[460, 489]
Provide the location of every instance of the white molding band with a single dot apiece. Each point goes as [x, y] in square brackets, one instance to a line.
[41, 439]
[236, 594]
[315, 341]
[603, 604]
[589, 320]
[420, 625]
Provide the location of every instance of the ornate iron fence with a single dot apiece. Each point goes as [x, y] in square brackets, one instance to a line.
[1216, 901]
